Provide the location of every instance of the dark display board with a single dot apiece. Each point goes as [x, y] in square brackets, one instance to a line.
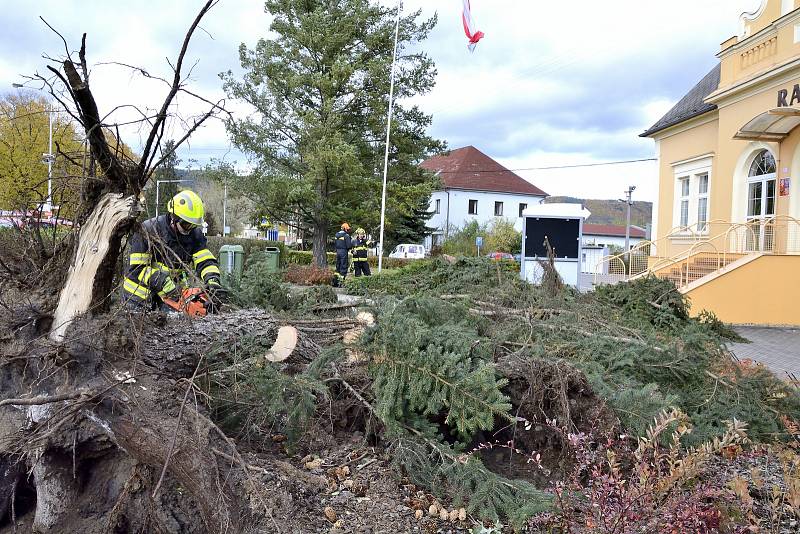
[563, 235]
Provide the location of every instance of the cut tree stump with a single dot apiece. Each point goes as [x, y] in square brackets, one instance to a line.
[284, 345]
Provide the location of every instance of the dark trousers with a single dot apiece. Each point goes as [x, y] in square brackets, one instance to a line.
[341, 263]
[361, 267]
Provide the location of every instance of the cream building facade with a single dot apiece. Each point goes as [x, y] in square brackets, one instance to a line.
[726, 224]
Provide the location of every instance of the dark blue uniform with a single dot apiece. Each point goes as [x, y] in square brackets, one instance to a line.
[158, 253]
[343, 244]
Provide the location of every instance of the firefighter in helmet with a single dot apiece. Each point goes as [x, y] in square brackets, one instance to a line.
[164, 249]
[343, 243]
[360, 248]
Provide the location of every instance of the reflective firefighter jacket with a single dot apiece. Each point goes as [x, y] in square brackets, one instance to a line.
[360, 248]
[343, 242]
[158, 253]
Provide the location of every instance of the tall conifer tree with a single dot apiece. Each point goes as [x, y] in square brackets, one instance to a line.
[320, 85]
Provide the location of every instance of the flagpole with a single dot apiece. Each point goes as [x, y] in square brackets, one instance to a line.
[388, 132]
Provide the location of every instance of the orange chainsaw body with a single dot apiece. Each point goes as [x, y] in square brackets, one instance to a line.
[193, 301]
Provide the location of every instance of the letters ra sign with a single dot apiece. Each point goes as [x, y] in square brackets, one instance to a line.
[784, 99]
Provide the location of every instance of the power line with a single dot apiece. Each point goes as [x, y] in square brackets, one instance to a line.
[554, 167]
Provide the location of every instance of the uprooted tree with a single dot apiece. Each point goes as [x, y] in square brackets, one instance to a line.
[64, 418]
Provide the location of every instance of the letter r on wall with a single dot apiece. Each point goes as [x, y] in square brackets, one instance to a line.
[782, 95]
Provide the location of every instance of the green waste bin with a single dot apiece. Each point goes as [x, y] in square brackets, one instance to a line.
[231, 260]
[273, 257]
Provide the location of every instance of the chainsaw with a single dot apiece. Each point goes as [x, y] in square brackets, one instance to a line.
[194, 301]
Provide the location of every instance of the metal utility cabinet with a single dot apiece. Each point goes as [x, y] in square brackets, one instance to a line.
[562, 225]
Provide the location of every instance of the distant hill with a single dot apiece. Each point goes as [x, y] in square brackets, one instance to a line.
[611, 211]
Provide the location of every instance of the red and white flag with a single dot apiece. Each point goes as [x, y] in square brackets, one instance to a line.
[469, 27]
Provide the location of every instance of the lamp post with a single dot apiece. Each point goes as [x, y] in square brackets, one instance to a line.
[629, 202]
[225, 210]
[388, 132]
[48, 157]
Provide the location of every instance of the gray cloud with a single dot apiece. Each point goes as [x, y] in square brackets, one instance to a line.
[571, 79]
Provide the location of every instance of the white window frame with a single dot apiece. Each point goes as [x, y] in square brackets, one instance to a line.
[469, 206]
[685, 185]
[702, 200]
[437, 206]
[694, 170]
[522, 207]
[498, 212]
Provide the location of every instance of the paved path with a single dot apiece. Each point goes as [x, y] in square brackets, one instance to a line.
[777, 348]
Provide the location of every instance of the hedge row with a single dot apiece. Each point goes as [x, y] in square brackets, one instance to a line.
[289, 256]
[302, 257]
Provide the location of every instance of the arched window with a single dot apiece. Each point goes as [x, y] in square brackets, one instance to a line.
[761, 201]
[763, 164]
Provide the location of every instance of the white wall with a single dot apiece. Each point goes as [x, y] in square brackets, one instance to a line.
[609, 241]
[591, 258]
[459, 207]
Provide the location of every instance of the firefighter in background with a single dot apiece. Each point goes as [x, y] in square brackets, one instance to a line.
[161, 251]
[360, 248]
[343, 243]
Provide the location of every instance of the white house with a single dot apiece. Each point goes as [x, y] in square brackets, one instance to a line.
[476, 188]
[609, 235]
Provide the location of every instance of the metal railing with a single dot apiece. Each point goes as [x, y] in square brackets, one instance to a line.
[628, 264]
[709, 247]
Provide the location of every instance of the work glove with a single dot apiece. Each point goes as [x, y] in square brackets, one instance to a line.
[169, 290]
[217, 295]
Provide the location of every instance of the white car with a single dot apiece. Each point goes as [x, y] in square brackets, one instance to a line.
[412, 252]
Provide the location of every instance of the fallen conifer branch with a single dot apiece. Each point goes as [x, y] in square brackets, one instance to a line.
[561, 328]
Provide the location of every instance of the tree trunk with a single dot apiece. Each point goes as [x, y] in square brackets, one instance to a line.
[96, 242]
[320, 254]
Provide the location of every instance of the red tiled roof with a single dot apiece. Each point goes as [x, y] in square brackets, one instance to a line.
[612, 230]
[469, 168]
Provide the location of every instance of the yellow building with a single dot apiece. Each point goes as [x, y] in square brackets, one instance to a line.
[726, 224]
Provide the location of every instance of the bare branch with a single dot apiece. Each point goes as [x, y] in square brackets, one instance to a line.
[66, 47]
[37, 401]
[82, 56]
[162, 115]
[183, 139]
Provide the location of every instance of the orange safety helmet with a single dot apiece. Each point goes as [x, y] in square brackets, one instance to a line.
[345, 227]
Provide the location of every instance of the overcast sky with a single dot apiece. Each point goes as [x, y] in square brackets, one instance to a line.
[552, 83]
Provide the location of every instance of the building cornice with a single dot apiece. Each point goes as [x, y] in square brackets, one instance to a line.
[769, 31]
[694, 159]
[694, 122]
[752, 85]
[772, 29]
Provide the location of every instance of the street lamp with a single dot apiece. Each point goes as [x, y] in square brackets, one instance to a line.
[628, 200]
[48, 157]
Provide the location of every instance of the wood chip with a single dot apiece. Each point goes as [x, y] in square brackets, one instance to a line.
[330, 513]
[314, 464]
